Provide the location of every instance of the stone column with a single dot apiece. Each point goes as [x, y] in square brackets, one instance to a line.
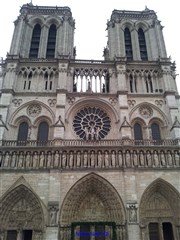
[135, 45]
[160, 40]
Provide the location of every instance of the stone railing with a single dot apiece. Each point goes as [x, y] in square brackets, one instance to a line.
[89, 157]
[79, 143]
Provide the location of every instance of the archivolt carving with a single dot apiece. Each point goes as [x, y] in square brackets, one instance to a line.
[21, 209]
[160, 200]
[80, 204]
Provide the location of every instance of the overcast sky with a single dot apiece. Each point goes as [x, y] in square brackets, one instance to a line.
[91, 17]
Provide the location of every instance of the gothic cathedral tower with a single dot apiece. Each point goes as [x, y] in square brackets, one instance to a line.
[89, 150]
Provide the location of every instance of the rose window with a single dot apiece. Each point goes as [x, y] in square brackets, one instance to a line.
[91, 123]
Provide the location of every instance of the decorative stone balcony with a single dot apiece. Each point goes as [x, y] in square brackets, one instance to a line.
[79, 154]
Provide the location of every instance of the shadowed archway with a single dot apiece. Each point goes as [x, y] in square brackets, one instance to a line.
[21, 211]
[159, 207]
[93, 199]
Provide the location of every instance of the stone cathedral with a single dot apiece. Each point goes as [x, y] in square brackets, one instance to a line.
[89, 149]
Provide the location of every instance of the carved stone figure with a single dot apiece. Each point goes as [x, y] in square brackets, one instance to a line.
[20, 160]
[85, 163]
[42, 160]
[141, 159]
[35, 160]
[106, 159]
[132, 215]
[6, 160]
[177, 159]
[113, 159]
[92, 158]
[97, 133]
[128, 159]
[56, 159]
[149, 159]
[13, 160]
[99, 159]
[28, 160]
[156, 159]
[163, 160]
[86, 130]
[2, 237]
[120, 159]
[78, 159]
[135, 159]
[49, 160]
[169, 159]
[92, 132]
[71, 160]
[64, 159]
[53, 216]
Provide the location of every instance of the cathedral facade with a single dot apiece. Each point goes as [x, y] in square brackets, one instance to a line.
[89, 150]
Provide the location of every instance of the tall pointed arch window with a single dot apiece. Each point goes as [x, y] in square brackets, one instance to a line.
[155, 130]
[128, 44]
[51, 45]
[34, 49]
[138, 136]
[43, 132]
[142, 45]
[22, 133]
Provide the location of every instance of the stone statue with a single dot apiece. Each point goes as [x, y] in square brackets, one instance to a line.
[19, 235]
[28, 160]
[20, 160]
[13, 160]
[135, 159]
[141, 159]
[64, 159]
[163, 160]
[42, 160]
[86, 130]
[149, 159]
[78, 159]
[85, 159]
[53, 216]
[2, 237]
[6, 160]
[132, 215]
[92, 158]
[56, 159]
[92, 132]
[128, 159]
[35, 160]
[177, 159]
[169, 159]
[49, 160]
[99, 159]
[120, 159]
[71, 160]
[106, 159]
[156, 159]
[113, 159]
[97, 133]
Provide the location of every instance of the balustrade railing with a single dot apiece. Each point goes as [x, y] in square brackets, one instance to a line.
[74, 142]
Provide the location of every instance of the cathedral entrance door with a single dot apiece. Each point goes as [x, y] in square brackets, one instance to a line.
[93, 231]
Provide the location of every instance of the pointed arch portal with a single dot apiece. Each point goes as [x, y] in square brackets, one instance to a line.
[92, 205]
[21, 214]
[159, 212]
